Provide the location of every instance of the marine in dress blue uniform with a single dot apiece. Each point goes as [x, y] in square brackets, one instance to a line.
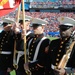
[20, 46]
[7, 37]
[59, 47]
[37, 52]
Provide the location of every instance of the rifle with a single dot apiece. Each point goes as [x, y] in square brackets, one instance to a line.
[66, 56]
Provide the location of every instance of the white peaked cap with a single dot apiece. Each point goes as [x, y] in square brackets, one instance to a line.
[67, 21]
[9, 20]
[38, 21]
[28, 18]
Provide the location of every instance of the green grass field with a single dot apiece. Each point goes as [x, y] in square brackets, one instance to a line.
[52, 38]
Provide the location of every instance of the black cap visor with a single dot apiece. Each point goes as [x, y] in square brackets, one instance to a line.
[5, 23]
[64, 27]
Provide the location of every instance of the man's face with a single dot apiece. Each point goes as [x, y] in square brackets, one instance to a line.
[65, 33]
[26, 25]
[38, 29]
[7, 27]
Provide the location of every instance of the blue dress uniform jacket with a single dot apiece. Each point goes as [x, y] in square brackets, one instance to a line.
[38, 67]
[20, 47]
[56, 51]
[6, 49]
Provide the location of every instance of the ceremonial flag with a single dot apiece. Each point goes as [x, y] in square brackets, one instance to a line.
[7, 6]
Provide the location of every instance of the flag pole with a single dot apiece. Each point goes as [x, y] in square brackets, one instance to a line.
[18, 14]
[23, 10]
[15, 51]
[25, 56]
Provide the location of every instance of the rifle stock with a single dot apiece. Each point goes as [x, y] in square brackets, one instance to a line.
[65, 58]
[64, 61]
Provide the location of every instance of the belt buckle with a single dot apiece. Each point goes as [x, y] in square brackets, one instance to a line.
[53, 66]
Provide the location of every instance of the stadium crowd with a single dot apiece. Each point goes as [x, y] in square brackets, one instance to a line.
[57, 3]
[52, 25]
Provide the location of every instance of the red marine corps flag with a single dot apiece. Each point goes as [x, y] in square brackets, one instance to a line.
[7, 6]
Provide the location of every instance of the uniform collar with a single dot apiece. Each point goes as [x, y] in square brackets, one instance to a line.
[38, 35]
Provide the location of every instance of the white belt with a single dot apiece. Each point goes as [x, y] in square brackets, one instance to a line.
[70, 71]
[20, 53]
[4, 52]
[67, 68]
[32, 61]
